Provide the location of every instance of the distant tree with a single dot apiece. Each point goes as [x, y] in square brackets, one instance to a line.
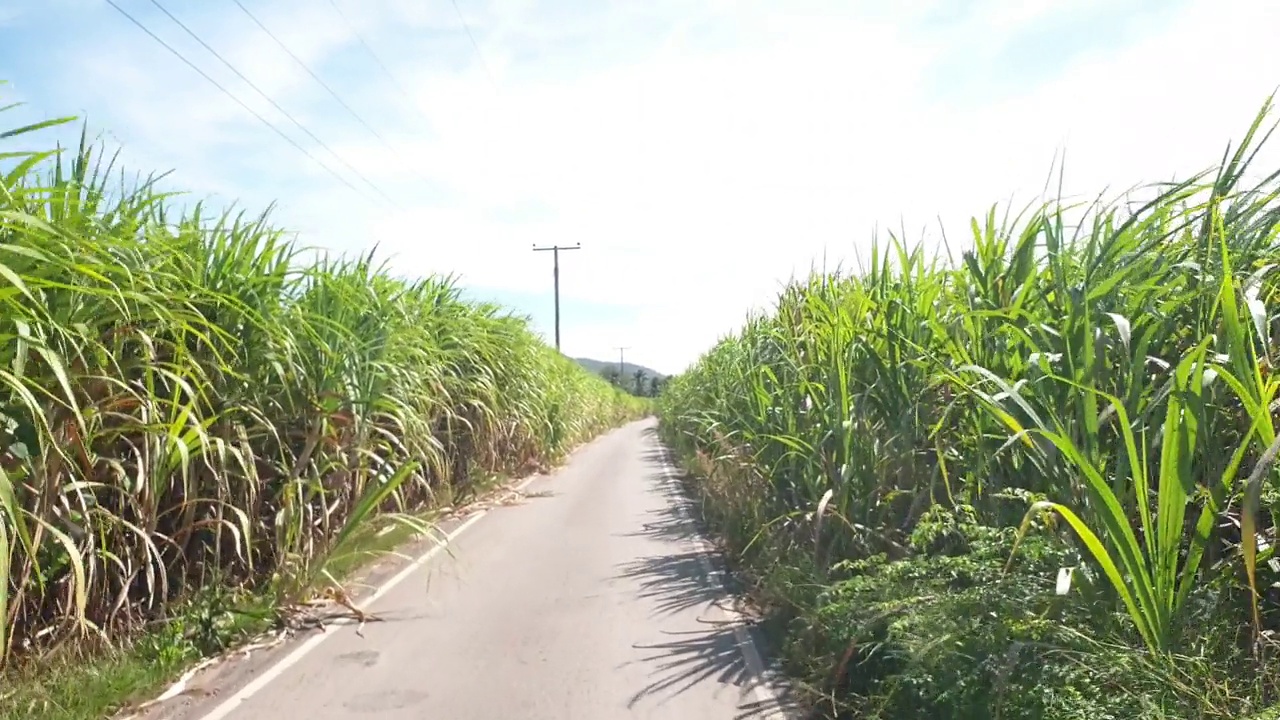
[639, 386]
[655, 386]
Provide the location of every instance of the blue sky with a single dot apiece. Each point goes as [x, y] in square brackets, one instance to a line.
[702, 151]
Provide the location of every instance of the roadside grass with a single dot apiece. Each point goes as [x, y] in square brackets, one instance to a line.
[93, 683]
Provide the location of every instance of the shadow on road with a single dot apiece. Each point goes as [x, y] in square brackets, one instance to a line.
[666, 523]
[692, 657]
[677, 581]
[672, 583]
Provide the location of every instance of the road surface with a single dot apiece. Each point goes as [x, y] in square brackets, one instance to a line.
[592, 598]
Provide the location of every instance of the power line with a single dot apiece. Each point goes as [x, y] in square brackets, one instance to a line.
[314, 76]
[274, 104]
[385, 70]
[237, 100]
[480, 55]
[329, 90]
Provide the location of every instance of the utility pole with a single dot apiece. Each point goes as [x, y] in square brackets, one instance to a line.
[555, 254]
[622, 353]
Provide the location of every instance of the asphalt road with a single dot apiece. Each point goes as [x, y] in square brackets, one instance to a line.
[592, 598]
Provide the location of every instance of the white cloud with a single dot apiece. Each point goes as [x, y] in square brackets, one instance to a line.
[700, 152]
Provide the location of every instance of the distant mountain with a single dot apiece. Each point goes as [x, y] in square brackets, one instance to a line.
[629, 369]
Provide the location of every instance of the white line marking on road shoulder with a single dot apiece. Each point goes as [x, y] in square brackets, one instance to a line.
[765, 696]
[230, 705]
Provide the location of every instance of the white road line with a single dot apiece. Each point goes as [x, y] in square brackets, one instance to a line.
[762, 690]
[230, 705]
